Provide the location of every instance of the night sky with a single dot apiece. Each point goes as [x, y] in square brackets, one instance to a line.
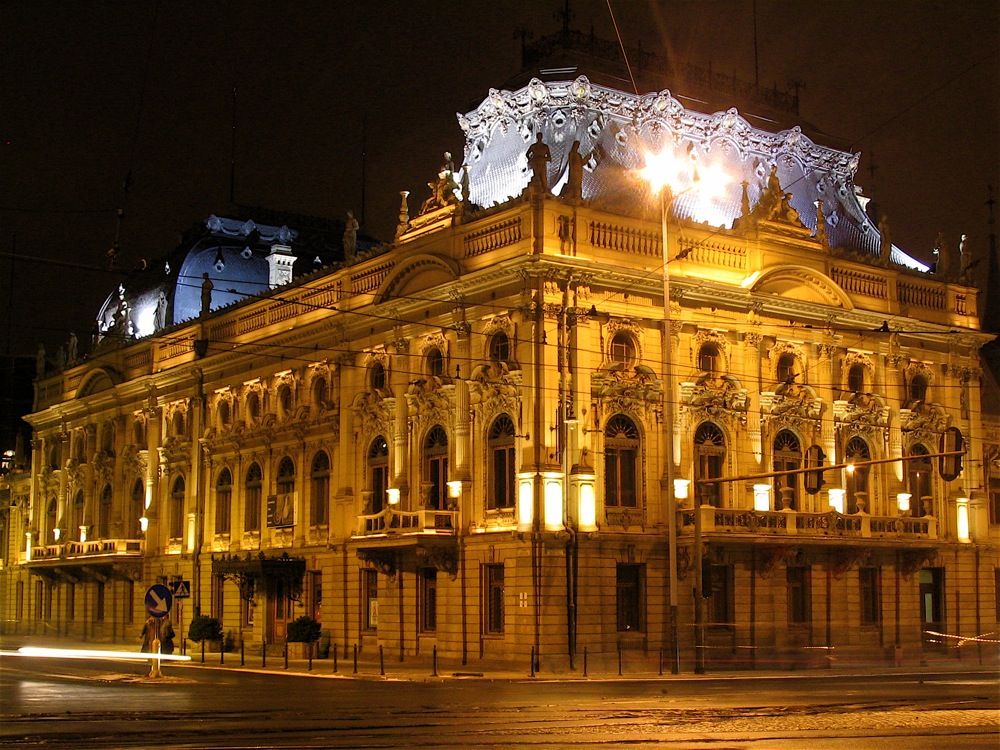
[90, 92]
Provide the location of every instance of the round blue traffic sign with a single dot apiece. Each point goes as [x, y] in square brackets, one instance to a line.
[159, 600]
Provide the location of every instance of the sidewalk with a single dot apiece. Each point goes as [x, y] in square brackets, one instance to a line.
[422, 669]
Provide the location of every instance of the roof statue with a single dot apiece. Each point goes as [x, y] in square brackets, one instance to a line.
[160, 314]
[350, 237]
[574, 172]
[206, 293]
[72, 346]
[539, 157]
[404, 213]
[820, 223]
[445, 190]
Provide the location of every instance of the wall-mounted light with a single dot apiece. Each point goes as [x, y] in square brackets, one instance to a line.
[143, 524]
[903, 501]
[962, 520]
[681, 487]
[553, 494]
[525, 501]
[27, 546]
[762, 497]
[837, 498]
[849, 468]
[56, 533]
[455, 489]
[392, 495]
[83, 533]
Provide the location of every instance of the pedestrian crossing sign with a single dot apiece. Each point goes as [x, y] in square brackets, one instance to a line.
[181, 589]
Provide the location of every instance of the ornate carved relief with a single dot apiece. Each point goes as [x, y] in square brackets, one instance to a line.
[429, 402]
[715, 398]
[638, 392]
[494, 390]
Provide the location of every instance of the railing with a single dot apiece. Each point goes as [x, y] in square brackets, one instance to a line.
[625, 239]
[790, 522]
[95, 548]
[493, 237]
[921, 295]
[391, 521]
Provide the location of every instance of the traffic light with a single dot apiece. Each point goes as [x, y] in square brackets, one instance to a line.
[814, 460]
[950, 466]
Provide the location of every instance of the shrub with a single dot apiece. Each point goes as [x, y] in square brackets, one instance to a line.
[204, 628]
[303, 630]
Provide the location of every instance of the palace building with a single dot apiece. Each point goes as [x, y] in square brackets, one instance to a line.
[561, 410]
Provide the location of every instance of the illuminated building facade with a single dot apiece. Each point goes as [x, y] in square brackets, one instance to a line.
[459, 440]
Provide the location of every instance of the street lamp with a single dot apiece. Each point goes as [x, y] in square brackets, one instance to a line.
[669, 177]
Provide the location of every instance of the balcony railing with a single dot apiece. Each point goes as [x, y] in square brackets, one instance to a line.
[391, 521]
[95, 548]
[792, 523]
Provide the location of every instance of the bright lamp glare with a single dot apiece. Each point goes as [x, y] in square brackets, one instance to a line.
[660, 170]
[712, 181]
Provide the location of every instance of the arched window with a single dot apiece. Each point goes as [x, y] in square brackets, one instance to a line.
[224, 414]
[285, 400]
[138, 433]
[136, 508]
[319, 392]
[500, 444]
[499, 347]
[435, 362]
[436, 468]
[76, 519]
[710, 459]
[918, 474]
[787, 368]
[320, 491]
[377, 377]
[104, 513]
[175, 526]
[252, 490]
[50, 521]
[857, 480]
[253, 406]
[787, 457]
[178, 423]
[223, 502]
[856, 378]
[918, 387]
[378, 472]
[623, 349]
[621, 462]
[709, 359]
[286, 476]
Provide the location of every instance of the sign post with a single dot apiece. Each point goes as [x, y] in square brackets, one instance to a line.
[158, 601]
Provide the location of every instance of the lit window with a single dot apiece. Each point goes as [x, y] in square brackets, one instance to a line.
[787, 457]
[710, 457]
[857, 451]
[436, 468]
[378, 473]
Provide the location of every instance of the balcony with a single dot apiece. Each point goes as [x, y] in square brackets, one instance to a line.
[832, 525]
[391, 522]
[96, 559]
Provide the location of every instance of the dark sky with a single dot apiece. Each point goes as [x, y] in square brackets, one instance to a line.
[913, 85]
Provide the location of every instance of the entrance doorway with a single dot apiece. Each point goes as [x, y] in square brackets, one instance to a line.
[932, 607]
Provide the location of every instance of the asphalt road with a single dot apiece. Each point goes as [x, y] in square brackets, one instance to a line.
[49, 703]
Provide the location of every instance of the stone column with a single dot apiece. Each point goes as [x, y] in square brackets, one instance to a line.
[751, 358]
[828, 440]
[462, 436]
[402, 369]
[894, 395]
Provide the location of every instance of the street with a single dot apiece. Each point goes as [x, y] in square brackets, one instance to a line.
[62, 703]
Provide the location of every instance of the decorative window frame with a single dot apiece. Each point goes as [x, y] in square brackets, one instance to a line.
[703, 337]
[616, 326]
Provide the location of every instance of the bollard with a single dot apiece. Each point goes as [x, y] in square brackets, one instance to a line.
[619, 659]
[661, 662]
[434, 662]
[355, 658]
[286, 653]
[584, 661]
[243, 654]
[263, 653]
[203, 651]
[310, 647]
[335, 657]
[532, 661]
[381, 661]
[222, 651]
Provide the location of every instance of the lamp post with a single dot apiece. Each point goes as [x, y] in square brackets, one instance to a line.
[665, 173]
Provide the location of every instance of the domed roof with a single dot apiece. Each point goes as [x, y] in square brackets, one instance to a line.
[233, 252]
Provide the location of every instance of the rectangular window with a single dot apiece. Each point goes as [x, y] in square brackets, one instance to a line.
[99, 603]
[369, 599]
[48, 593]
[503, 477]
[428, 600]
[493, 589]
[247, 612]
[71, 601]
[39, 598]
[19, 600]
[314, 594]
[629, 591]
[799, 603]
[870, 586]
[129, 602]
[721, 580]
[380, 483]
[218, 597]
[223, 504]
[251, 511]
[994, 491]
